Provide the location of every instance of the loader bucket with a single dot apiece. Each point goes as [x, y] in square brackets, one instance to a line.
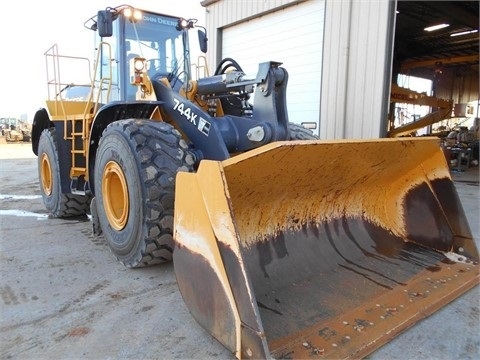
[320, 249]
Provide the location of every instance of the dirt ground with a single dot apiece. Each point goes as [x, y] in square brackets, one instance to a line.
[64, 296]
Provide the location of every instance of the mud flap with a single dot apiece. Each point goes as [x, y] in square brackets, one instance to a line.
[318, 249]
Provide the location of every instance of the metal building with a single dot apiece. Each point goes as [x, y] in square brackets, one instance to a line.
[343, 55]
[337, 53]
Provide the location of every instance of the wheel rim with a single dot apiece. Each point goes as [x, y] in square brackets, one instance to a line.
[115, 195]
[46, 174]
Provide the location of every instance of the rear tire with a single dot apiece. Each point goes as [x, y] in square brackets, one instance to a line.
[298, 132]
[135, 169]
[60, 205]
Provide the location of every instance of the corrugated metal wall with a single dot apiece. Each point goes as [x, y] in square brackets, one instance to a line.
[461, 85]
[358, 48]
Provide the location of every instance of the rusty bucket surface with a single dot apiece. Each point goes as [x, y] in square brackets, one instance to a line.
[321, 249]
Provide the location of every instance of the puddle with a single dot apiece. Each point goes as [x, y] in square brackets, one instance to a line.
[22, 213]
[19, 197]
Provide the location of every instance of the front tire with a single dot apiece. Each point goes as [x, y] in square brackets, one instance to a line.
[135, 169]
[60, 205]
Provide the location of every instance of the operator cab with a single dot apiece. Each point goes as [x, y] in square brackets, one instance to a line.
[125, 33]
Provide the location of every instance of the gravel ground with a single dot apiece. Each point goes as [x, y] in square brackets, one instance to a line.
[64, 296]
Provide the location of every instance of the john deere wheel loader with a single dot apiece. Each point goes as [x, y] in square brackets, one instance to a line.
[283, 245]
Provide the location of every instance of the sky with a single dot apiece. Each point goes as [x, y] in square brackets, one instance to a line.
[29, 28]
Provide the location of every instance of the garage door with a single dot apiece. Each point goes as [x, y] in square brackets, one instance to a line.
[293, 36]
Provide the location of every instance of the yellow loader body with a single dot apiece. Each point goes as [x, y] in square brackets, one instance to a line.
[320, 249]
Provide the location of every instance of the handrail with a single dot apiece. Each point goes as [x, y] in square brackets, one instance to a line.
[201, 65]
[90, 106]
[54, 79]
[103, 80]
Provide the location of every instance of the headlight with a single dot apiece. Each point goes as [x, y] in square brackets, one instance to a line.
[139, 64]
[127, 12]
[137, 15]
[132, 14]
[183, 24]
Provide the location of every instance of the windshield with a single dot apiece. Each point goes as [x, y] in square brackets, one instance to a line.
[156, 39]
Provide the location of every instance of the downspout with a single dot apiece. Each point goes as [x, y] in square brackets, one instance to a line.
[388, 68]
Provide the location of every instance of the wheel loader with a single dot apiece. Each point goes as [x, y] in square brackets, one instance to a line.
[283, 245]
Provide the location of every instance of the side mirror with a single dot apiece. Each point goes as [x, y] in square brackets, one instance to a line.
[105, 23]
[202, 40]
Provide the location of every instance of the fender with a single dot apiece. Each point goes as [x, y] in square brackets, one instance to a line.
[114, 111]
[41, 121]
